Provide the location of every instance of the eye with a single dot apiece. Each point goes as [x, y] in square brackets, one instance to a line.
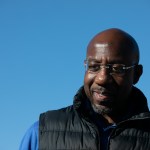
[93, 67]
[119, 69]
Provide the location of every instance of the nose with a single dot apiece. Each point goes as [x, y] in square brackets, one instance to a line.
[103, 77]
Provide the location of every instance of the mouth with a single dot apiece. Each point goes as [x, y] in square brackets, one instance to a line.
[102, 97]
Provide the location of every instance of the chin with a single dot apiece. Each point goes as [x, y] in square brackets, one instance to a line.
[103, 110]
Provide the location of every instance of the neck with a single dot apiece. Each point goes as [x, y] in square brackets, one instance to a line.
[109, 119]
[115, 118]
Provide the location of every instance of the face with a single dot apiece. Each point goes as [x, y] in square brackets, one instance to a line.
[107, 92]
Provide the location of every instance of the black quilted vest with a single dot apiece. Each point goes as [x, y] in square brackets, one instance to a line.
[71, 128]
[66, 131]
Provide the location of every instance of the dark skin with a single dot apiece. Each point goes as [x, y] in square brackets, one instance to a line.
[109, 93]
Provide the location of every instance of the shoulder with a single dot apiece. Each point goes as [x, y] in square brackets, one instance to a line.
[61, 110]
[56, 119]
[30, 139]
[33, 130]
[56, 114]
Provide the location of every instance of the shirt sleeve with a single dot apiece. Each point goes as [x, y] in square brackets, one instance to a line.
[30, 139]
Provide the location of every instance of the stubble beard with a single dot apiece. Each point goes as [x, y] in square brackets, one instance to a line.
[101, 110]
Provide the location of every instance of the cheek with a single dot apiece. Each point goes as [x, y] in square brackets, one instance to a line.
[125, 81]
[124, 86]
[88, 81]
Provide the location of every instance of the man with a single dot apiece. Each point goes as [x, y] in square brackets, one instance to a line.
[108, 112]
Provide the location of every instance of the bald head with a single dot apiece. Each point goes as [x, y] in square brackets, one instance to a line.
[117, 39]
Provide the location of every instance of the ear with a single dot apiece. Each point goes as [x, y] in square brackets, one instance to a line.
[138, 70]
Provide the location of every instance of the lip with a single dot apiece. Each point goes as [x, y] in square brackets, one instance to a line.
[102, 97]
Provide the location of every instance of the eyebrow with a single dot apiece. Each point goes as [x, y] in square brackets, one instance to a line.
[111, 62]
[92, 59]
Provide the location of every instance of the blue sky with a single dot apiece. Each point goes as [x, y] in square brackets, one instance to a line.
[42, 48]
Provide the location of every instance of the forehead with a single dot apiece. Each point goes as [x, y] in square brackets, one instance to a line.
[110, 52]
